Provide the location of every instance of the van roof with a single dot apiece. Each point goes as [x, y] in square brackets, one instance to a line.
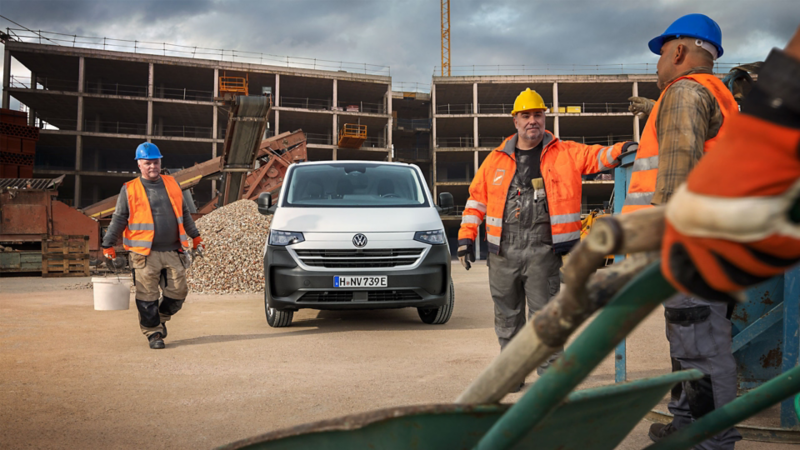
[386, 163]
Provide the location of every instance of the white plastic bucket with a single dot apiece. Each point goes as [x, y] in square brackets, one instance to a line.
[111, 293]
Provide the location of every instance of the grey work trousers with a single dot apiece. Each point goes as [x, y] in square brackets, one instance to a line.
[525, 272]
[704, 345]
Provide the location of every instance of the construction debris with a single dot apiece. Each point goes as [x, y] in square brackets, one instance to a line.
[233, 261]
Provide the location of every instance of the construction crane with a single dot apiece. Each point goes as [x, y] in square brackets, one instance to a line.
[445, 37]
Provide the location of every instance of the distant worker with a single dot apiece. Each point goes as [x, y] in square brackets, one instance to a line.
[157, 230]
[529, 192]
[694, 109]
[749, 229]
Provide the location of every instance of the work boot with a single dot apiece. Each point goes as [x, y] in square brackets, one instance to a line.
[156, 341]
[659, 431]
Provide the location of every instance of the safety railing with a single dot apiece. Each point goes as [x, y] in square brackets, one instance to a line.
[350, 106]
[306, 103]
[464, 141]
[233, 85]
[183, 131]
[599, 140]
[319, 138]
[490, 141]
[183, 94]
[565, 69]
[111, 127]
[412, 154]
[454, 108]
[374, 142]
[406, 86]
[115, 89]
[187, 51]
[50, 84]
[577, 108]
[413, 124]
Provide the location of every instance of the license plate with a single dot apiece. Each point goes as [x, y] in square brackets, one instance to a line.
[360, 281]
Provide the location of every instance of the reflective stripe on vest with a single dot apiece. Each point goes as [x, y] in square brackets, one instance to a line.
[645, 167]
[469, 218]
[140, 231]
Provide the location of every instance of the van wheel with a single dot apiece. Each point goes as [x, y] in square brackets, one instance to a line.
[275, 318]
[438, 316]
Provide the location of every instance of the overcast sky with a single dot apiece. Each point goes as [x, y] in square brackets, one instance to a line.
[405, 34]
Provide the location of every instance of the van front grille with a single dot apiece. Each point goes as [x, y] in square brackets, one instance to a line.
[347, 296]
[367, 258]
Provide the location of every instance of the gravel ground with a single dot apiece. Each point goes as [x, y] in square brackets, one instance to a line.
[72, 377]
[233, 263]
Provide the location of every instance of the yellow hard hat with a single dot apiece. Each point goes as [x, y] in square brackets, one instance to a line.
[528, 100]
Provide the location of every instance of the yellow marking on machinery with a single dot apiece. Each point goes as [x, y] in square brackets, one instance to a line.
[103, 212]
[190, 180]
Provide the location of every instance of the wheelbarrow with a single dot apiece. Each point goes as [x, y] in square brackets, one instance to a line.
[545, 416]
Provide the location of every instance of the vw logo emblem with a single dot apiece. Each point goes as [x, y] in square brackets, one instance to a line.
[359, 240]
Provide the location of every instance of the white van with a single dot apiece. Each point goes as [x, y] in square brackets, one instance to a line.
[356, 235]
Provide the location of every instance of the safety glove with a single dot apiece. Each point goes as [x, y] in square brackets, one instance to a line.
[640, 106]
[198, 244]
[109, 253]
[736, 222]
[466, 254]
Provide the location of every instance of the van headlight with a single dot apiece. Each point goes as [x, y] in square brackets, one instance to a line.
[430, 237]
[285, 237]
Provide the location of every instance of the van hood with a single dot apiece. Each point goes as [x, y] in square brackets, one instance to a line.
[356, 220]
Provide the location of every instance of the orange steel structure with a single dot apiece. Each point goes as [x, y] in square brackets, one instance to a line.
[445, 37]
[233, 85]
[352, 135]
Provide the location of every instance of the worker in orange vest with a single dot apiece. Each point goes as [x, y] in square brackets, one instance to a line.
[694, 110]
[748, 191]
[528, 190]
[157, 230]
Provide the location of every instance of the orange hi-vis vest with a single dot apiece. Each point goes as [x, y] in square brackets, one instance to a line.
[562, 164]
[140, 232]
[645, 167]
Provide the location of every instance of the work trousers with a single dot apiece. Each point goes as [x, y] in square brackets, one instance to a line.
[699, 335]
[156, 274]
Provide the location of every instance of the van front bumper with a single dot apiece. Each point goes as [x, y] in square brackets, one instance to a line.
[289, 287]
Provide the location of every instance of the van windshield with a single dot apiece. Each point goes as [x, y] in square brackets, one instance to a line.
[355, 185]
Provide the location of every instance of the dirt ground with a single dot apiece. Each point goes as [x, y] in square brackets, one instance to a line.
[73, 377]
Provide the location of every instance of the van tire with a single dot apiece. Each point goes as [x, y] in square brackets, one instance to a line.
[275, 318]
[440, 315]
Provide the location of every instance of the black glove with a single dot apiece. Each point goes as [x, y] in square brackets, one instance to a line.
[466, 253]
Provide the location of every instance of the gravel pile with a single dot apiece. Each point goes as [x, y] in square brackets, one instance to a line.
[233, 262]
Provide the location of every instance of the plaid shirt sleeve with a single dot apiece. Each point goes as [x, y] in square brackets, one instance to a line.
[688, 116]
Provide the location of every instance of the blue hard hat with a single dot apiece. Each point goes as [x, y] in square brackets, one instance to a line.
[147, 150]
[697, 26]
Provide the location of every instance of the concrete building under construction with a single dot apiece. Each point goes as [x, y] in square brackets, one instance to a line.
[95, 106]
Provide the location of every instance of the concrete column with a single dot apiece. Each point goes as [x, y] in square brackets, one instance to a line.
[335, 127]
[277, 97]
[556, 130]
[6, 77]
[277, 122]
[214, 126]
[31, 111]
[475, 131]
[433, 140]
[635, 117]
[79, 128]
[390, 123]
[150, 102]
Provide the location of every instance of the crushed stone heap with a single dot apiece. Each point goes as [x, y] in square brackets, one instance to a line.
[233, 262]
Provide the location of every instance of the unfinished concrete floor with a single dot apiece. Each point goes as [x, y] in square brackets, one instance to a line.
[72, 377]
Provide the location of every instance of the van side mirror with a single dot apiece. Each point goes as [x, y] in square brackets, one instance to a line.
[264, 203]
[446, 204]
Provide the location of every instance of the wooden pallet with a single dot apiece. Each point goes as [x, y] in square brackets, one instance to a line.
[65, 256]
